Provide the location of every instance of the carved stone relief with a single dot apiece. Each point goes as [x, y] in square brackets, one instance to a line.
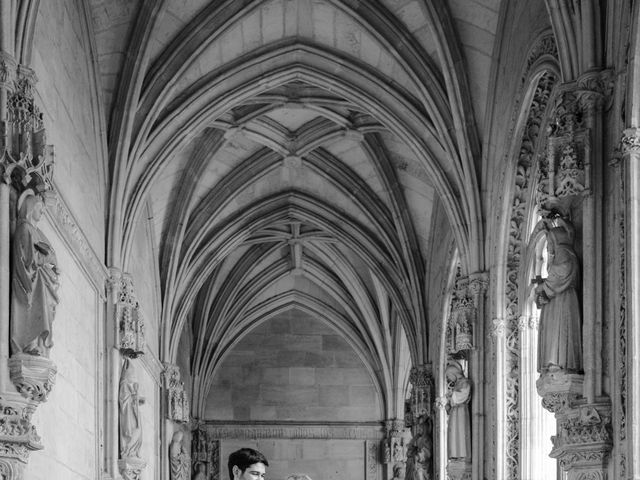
[127, 314]
[178, 408]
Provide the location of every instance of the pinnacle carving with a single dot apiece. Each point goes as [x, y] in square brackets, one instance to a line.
[127, 314]
[177, 401]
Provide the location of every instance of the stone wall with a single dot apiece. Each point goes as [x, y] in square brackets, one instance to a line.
[69, 421]
[293, 367]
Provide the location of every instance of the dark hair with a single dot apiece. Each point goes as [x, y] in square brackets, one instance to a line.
[244, 458]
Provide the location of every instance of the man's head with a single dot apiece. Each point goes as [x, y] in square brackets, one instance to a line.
[247, 464]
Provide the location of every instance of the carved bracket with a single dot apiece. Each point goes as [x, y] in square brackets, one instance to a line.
[459, 469]
[559, 390]
[131, 468]
[33, 376]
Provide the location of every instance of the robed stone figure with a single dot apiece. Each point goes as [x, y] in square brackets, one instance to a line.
[179, 459]
[459, 425]
[418, 465]
[129, 402]
[559, 341]
[34, 281]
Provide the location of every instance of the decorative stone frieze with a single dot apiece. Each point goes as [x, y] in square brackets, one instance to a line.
[127, 314]
[178, 408]
[583, 443]
[33, 376]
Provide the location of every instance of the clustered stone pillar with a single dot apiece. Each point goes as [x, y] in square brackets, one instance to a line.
[29, 284]
[124, 419]
[569, 197]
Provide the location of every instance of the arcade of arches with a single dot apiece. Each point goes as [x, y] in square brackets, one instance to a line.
[374, 240]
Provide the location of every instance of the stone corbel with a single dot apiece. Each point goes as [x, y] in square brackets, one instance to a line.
[583, 443]
[131, 468]
[559, 390]
[126, 313]
[459, 469]
[178, 408]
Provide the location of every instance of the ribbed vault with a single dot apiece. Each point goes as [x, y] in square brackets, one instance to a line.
[292, 154]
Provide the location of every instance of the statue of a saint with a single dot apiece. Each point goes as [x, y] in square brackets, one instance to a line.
[179, 460]
[418, 465]
[459, 426]
[130, 421]
[35, 281]
[559, 341]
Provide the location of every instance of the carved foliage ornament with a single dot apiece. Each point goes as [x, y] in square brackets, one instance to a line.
[33, 376]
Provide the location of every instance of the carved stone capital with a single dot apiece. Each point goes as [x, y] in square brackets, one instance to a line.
[584, 442]
[127, 314]
[32, 375]
[394, 427]
[559, 390]
[459, 469]
[131, 468]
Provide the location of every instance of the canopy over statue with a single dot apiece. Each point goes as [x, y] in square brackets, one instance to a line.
[34, 281]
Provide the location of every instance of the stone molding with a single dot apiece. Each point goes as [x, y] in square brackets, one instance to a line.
[297, 431]
[559, 390]
[67, 227]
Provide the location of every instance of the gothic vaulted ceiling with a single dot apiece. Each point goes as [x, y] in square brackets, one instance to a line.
[293, 154]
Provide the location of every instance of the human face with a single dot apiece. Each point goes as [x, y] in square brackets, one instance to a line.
[253, 472]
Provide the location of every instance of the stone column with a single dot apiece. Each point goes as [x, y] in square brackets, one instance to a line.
[627, 332]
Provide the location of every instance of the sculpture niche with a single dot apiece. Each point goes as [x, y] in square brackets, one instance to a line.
[459, 427]
[35, 282]
[179, 459]
[559, 343]
[130, 421]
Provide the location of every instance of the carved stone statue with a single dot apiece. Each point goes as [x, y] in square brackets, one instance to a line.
[35, 282]
[459, 426]
[559, 344]
[130, 421]
[419, 454]
[179, 460]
